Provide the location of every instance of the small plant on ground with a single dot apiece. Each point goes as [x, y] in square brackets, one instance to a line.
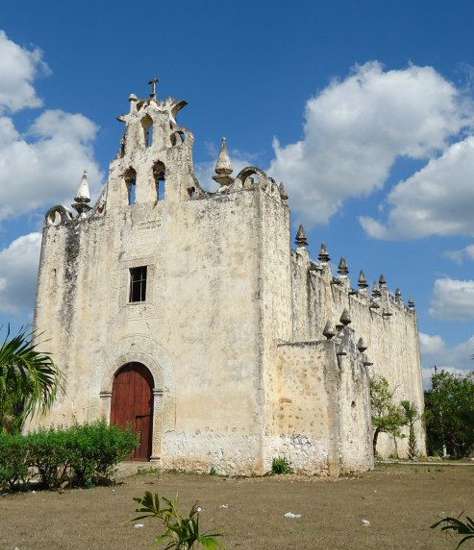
[180, 532]
[465, 529]
[411, 415]
[280, 465]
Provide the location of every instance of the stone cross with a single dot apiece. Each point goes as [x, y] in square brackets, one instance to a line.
[153, 82]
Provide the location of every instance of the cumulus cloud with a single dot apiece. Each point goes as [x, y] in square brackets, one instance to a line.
[44, 166]
[462, 255]
[455, 359]
[18, 269]
[356, 128]
[453, 299]
[431, 344]
[436, 200]
[18, 69]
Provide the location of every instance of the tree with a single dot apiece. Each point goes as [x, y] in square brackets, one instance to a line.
[449, 414]
[29, 380]
[386, 416]
[411, 416]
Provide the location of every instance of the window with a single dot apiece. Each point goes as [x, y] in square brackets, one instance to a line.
[137, 284]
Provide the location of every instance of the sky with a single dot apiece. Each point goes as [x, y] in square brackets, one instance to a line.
[365, 110]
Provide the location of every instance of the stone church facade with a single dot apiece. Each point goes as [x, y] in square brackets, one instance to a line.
[187, 314]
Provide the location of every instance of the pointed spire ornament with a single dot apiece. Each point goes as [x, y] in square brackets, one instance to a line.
[83, 197]
[283, 192]
[223, 168]
[323, 254]
[382, 281]
[398, 295]
[343, 268]
[361, 345]
[362, 282]
[301, 239]
[411, 304]
[345, 318]
[329, 331]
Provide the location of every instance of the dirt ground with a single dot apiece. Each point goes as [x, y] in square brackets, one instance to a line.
[400, 502]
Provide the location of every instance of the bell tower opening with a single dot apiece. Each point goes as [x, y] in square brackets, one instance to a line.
[130, 178]
[159, 172]
[147, 125]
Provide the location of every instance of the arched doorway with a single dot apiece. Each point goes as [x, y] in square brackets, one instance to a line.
[132, 405]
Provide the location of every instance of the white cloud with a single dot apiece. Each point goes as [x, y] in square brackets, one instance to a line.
[462, 255]
[18, 68]
[356, 128]
[431, 344]
[44, 166]
[453, 299]
[436, 200]
[18, 269]
[455, 359]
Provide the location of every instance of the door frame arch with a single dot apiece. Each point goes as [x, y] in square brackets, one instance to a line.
[125, 410]
[156, 373]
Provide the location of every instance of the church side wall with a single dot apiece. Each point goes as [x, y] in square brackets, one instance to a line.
[392, 340]
[321, 411]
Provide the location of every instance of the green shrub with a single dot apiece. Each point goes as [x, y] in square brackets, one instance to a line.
[82, 455]
[49, 452]
[280, 465]
[95, 449]
[13, 461]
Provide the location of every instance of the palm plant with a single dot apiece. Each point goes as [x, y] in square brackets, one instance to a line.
[181, 532]
[29, 380]
[462, 528]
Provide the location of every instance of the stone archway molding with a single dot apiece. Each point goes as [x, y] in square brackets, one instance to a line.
[140, 348]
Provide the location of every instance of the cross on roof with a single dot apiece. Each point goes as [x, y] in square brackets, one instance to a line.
[153, 83]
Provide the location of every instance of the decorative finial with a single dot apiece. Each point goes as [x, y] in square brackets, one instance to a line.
[323, 254]
[411, 303]
[343, 268]
[362, 282]
[223, 168]
[361, 345]
[345, 318]
[283, 192]
[83, 197]
[301, 239]
[376, 291]
[329, 331]
[153, 83]
[382, 281]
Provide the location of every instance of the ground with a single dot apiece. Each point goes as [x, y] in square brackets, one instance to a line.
[400, 502]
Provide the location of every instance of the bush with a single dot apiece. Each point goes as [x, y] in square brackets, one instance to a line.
[13, 461]
[82, 455]
[96, 448]
[280, 465]
[49, 452]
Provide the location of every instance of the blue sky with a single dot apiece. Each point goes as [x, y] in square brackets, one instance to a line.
[371, 103]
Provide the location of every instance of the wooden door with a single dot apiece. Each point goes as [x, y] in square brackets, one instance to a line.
[132, 405]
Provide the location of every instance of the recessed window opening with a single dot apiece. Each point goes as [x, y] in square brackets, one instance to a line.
[147, 124]
[131, 183]
[138, 284]
[159, 175]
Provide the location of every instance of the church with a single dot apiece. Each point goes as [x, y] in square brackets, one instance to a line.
[190, 316]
